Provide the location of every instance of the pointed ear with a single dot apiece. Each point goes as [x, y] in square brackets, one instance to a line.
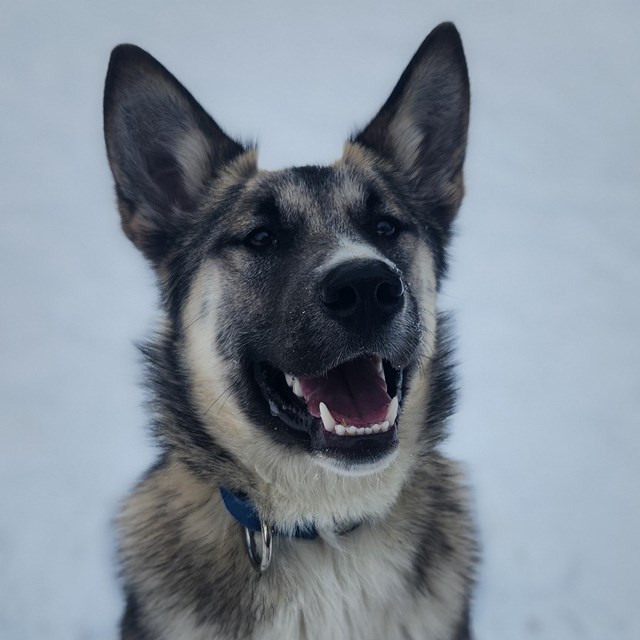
[163, 149]
[422, 127]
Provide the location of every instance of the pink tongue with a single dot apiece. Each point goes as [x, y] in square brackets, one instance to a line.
[354, 392]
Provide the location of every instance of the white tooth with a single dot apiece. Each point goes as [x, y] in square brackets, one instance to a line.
[297, 388]
[392, 411]
[368, 431]
[375, 428]
[380, 368]
[340, 430]
[352, 431]
[289, 378]
[360, 431]
[384, 426]
[327, 419]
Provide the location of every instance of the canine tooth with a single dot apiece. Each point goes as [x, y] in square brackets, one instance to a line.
[297, 388]
[384, 426]
[380, 368]
[289, 378]
[375, 428]
[340, 430]
[327, 419]
[352, 431]
[392, 411]
[361, 431]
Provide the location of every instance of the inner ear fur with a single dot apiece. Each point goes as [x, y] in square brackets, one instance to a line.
[422, 127]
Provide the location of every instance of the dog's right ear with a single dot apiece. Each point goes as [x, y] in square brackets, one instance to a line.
[163, 148]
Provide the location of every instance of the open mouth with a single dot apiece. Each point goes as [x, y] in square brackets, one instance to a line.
[349, 412]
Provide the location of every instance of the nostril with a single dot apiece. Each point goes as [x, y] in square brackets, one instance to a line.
[340, 299]
[362, 293]
[389, 292]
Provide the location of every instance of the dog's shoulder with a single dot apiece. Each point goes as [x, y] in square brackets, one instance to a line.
[178, 547]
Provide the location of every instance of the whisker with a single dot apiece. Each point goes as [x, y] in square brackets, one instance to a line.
[224, 401]
[216, 400]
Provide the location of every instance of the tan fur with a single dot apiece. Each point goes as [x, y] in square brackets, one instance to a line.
[246, 260]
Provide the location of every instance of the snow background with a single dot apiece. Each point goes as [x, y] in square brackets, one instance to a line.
[545, 282]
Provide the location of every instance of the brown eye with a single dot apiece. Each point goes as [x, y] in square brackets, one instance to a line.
[260, 239]
[386, 228]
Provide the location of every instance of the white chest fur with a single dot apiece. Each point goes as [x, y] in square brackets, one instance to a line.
[357, 590]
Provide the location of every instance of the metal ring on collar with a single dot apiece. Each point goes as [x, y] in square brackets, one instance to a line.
[260, 562]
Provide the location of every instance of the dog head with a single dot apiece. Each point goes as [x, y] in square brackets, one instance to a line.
[301, 303]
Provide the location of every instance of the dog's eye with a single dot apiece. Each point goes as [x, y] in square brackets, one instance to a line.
[386, 227]
[260, 238]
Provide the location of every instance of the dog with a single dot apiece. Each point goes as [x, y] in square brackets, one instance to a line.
[301, 378]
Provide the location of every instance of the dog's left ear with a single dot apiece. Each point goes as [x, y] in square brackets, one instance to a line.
[163, 148]
[422, 127]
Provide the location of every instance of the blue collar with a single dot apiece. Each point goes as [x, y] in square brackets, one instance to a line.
[244, 511]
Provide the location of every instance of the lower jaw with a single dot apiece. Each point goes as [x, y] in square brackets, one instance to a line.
[352, 468]
[355, 455]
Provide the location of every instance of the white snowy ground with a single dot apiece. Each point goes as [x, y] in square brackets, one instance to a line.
[545, 282]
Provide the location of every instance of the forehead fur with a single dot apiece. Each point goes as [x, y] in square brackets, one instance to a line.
[309, 189]
[313, 194]
[339, 186]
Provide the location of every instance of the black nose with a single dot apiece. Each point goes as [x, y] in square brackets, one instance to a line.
[362, 293]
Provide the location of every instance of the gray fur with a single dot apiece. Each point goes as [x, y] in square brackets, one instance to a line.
[190, 199]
